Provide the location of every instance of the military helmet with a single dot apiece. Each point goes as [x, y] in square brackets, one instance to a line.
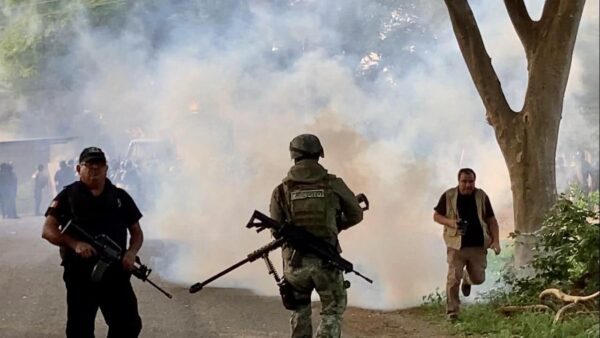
[306, 145]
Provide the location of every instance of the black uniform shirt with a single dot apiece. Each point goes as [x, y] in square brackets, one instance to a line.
[111, 213]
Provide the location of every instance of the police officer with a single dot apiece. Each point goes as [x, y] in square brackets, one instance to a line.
[99, 207]
[323, 205]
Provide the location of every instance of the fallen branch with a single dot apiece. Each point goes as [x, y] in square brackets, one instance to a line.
[572, 301]
[565, 297]
[510, 309]
[562, 310]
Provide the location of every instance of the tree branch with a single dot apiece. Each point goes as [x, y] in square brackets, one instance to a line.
[524, 26]
[477, 59]
[550, 9]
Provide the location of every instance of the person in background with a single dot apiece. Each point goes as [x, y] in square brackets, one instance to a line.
[63, 176]
[40, 182]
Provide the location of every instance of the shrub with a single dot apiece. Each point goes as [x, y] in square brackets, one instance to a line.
[566, 254]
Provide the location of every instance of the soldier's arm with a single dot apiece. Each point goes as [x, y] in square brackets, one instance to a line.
[275, 206]
[352, 213]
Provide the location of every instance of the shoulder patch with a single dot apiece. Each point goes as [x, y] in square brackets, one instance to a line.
[54, 204]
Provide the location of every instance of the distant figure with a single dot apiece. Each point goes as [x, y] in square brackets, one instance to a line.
[130, 180]
[8, 191]
[579, 171]
[4, 189]
[595, 173]
[63, 176]
[562, 172]
[40, 182]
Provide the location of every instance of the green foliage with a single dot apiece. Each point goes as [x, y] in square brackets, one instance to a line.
[566, 254]
[435, 298]
[33, 32]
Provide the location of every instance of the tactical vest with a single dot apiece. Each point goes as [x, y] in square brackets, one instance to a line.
[452, 237]
[312, 206]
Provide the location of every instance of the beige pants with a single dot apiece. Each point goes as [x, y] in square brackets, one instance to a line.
[468, 264]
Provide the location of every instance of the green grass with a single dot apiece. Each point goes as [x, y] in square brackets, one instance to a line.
[483, 320]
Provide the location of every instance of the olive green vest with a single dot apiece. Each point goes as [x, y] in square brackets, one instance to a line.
[451, 236]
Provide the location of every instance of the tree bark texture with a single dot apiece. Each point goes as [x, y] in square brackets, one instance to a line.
[527, 138]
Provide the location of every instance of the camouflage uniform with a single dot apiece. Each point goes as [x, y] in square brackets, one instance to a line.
[306, 272]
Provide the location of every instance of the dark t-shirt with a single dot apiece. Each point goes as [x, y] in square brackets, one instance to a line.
[467, 210]
[111, 213]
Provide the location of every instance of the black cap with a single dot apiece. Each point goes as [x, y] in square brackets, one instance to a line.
[92, 154]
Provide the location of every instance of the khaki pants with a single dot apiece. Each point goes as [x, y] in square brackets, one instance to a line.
[468, 264]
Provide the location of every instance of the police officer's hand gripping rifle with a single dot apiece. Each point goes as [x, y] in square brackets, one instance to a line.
[295, 237]
[110, 252]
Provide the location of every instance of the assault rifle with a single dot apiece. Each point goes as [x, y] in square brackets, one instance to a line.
[296, 238]
[110, 252]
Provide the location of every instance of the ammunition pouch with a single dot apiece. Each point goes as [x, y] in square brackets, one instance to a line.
[288, 296]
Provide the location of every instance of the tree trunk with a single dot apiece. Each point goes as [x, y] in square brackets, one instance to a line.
[527, 138]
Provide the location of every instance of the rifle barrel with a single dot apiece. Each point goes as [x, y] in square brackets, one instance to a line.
[198, 286]
[159, 289]
[364, 277]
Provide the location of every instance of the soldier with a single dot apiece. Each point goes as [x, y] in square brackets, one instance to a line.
[470, 228]
[323, 205]
[99, 207]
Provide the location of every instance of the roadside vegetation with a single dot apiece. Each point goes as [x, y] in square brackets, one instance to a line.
[566, 263]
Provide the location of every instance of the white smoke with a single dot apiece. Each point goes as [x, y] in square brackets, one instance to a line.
[400, 140]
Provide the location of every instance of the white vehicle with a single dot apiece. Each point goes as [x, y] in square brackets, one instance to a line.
[150, 149]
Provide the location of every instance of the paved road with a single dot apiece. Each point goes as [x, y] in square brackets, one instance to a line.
[33, 301]
[33, 297]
